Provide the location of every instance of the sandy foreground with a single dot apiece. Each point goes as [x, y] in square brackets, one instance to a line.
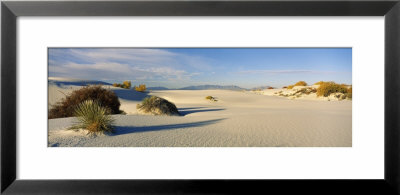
[237, 119]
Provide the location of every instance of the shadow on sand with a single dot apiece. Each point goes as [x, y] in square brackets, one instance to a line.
[191, 108]
[186, 111]
[130, 94]
[121, 130]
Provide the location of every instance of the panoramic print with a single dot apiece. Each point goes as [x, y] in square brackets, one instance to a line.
[199, 97]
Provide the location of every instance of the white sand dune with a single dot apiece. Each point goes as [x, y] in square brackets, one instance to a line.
[290, 94]
[237, 119]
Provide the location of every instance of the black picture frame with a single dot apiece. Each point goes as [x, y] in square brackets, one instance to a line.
[11, 10]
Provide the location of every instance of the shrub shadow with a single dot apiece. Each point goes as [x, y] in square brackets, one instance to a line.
[121, 130]
[130, 94]
[190, 108]
[77, 83]
[184, 112]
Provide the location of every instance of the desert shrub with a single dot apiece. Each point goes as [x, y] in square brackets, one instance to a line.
[66, 107]
[271, 88]
[326, 88]
[211, 98]
[290, 86]
[140, 88]
[350, 93]
[319, 83]
[301, 83]
[284, 87]
[127, 84]
[157, 106]
[93, 117]
[306, 91]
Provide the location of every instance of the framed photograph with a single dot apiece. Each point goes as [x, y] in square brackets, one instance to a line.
[199, 97]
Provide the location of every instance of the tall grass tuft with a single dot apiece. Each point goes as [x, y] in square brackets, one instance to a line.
[93, 117]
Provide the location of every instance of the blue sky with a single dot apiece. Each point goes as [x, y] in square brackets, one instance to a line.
[181, 67]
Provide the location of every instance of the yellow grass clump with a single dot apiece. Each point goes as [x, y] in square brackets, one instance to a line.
[125, 84]
[326, 88]
[211, 98]
[301, 83]
[140, 88]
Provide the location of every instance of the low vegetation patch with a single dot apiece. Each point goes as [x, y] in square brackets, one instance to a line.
[125, 85]
[306, 91]
[327, 88]
[211, 98]
[301, 83]
[140, 88]
[319, 83]
[350, 93]
[66, 107]
[93, 117]
[157, 106]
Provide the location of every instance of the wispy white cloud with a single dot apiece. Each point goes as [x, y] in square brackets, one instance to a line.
[123, 64]
[284, 72]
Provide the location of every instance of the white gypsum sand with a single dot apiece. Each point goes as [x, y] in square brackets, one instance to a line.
[237, 118]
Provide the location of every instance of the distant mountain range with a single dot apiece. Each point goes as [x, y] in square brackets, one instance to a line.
[203, 87]
[207, 87]
[200, 87]
[77, 82]
[260, 88]
[157, 88]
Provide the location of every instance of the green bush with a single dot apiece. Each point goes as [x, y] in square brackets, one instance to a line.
[93, 117]
[319, 83]
[66, 107]
[290, 86]
[157, 106]
[326, 88]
